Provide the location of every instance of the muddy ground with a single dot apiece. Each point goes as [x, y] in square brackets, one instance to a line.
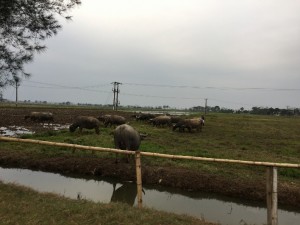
[288, 193]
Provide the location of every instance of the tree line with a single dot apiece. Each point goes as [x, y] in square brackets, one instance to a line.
[257, 111]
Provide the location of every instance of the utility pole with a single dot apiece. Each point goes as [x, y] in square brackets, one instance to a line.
[205, 108]
[17, 84]
[116, 91]
[1, 96]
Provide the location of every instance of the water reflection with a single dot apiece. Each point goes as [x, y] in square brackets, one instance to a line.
[126, 193]
[210, 207]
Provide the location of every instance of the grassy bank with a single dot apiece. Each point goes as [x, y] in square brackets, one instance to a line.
[19, 205]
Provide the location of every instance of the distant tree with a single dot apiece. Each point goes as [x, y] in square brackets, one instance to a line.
[24, 24]
[216, 108]
[197, 108]
[225, 110]
[255, 110]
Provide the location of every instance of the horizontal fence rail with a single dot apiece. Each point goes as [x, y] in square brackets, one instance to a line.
[151, 154]
[271, 184]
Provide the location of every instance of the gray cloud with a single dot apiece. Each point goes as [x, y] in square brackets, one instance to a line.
[220, 44]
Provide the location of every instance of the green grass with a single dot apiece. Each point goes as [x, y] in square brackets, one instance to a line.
[20, 205]
[230, 136]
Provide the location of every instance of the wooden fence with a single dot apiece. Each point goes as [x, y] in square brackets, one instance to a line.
[271, 183]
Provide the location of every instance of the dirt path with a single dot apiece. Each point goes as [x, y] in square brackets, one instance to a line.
[289, 194]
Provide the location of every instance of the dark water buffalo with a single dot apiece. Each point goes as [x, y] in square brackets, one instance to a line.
[40, 117]
[189, 124]
[161, 121]
[144, 116]
[114, 120]
[126, 138]
[175, 119]
[202, 120]
[86, 122]
[104, 117]
[110, 120]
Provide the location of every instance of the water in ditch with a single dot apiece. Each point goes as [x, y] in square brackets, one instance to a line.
[210, 207]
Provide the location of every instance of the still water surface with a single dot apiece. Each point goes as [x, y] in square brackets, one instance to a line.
[210, 207]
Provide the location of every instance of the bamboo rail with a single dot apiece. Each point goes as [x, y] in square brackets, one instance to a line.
[72, 146]
[253, 163]
[151, 154]
[271, 184]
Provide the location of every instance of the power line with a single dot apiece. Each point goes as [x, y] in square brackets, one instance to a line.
[82, 89]
[57, 86]
[173, 86]
[230, 102]
[116, 91]
[156, 96]
[212, 87]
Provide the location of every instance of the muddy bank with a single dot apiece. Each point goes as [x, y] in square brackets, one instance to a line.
[173, 177]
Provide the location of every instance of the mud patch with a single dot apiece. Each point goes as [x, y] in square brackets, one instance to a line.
[14, 131]
[17, 131]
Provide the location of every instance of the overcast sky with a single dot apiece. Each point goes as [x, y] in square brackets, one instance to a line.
[234, 53]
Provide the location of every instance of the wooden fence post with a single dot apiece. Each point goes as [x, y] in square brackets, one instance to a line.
[139, 178]
[272, 202]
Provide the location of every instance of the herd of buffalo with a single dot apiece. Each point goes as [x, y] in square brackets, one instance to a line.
[125, 136]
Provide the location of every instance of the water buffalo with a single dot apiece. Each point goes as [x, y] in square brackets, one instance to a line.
[144, 116]
[202, 120]
[40, 117]
[161, 121]
[189, 124]
[86, 122]
[175, 119]
[114, 120]
[109, 120]
[104, 117]
[126, 138]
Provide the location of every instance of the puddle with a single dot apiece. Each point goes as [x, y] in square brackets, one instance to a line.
[54, 126]
[16, 131]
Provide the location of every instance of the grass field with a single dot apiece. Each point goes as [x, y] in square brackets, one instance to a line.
[228, 136]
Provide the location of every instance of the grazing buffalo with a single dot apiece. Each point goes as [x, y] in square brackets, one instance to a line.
[189, 124]
[40, 117]
[202, 120]
[144, 116]
[109, 120]
[175, 119]
[103, 118]
[126, 138]
[114, 120]
[86, 122]
[161, 121]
